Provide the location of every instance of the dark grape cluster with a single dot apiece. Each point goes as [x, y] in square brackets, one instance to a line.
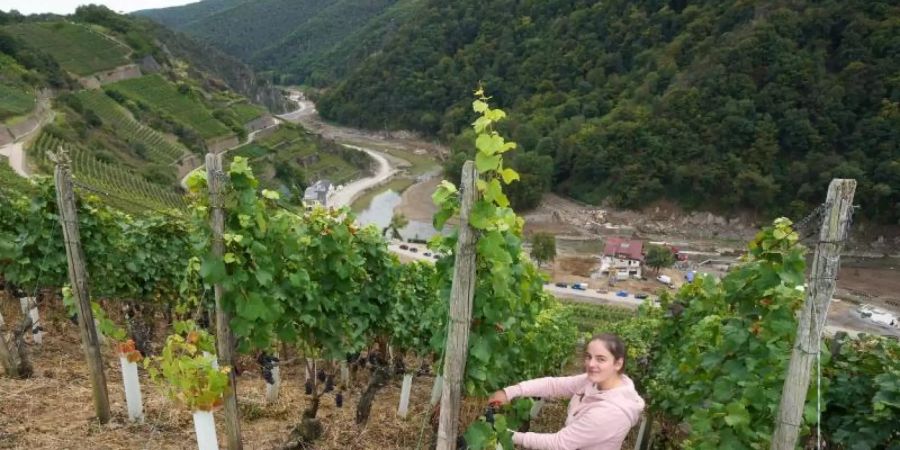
[339, 399]
[267, 362]
[308, 387]
[399, 366]
[489, 415]
[329, 383]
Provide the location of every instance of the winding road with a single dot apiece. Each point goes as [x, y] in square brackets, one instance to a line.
[306, 115]
[354, 189]
[15, 150]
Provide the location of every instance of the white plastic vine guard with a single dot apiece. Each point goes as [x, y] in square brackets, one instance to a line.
[403, 409]
[215, 361]
[345, 375]
[132, 390]
[436, 390]
[100, 337]
[29, 306]
[205, 428]
[536, 408]
[272, 389]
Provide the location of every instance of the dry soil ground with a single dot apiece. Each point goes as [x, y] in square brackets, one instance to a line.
[53, 409]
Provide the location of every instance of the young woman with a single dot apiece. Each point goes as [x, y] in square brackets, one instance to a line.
[604, 404]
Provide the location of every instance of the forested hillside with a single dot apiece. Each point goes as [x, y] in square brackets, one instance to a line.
[311, 42]
[718, 104]
[179, 17]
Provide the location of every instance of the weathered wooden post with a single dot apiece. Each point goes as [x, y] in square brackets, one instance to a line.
[78, 277]
[224, 337]
[10, 366]
[835, 226]
[461, 295]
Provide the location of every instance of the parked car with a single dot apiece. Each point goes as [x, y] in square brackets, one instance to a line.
[426, 254]
[562, 285]
[580, 286]
[640, 296]
[414, 250]
[664, 279]
[437, 256]
[622, 294]
[404, 247]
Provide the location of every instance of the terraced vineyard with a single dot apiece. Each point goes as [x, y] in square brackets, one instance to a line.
[586, 317]
[160, 95]
[14, 101]
[131, 190]
[160, 149]
[245, 112]
[291, 155]
[76, 48]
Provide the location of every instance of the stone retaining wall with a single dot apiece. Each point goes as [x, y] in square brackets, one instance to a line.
[5, 137]
[120, 73]
[259, 123]
[219, 145]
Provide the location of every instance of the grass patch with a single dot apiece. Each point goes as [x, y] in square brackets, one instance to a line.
[245, 112]
[15, 101]
[161, 95]
[76, 48]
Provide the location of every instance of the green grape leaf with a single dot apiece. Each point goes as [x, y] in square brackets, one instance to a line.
[212, 269]
[481, 350]
[478, 434]
[509, 175]
[736, 415]
[482, 215]
[486, 163]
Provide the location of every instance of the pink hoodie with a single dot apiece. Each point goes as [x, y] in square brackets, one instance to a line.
[598, 420]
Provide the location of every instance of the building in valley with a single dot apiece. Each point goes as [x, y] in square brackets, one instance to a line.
[622, 258]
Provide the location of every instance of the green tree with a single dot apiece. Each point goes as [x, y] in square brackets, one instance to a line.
[398, 221]
[659, 256]
[536, 172]
[543, 247]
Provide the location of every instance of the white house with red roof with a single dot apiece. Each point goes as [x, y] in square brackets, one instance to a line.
[622, 258]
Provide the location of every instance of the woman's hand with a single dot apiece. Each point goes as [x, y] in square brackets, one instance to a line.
[498, 398]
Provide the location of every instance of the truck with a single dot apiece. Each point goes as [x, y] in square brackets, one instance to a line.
[664, 279]
[580, 286]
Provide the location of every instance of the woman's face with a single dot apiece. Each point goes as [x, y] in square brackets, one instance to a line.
[599, 363]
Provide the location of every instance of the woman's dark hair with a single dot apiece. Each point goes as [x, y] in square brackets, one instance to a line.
[614, 344]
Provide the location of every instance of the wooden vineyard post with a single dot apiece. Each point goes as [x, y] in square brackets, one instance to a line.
[835, 226]
[78, 277]
[462, 292]
[224, 337]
